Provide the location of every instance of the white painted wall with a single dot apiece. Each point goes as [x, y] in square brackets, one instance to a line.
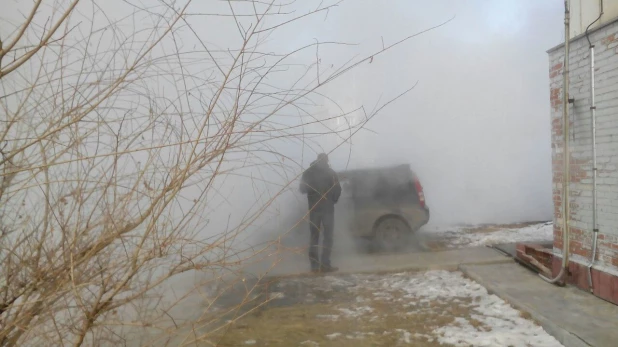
[584, 12]
[606, 98]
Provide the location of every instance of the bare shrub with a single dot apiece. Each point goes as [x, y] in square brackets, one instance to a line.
[121, 121]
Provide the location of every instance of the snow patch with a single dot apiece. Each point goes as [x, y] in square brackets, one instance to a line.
[488, 321]
[459, 236]
[332, 317]
[540, 232]
[333, 336]
[501, 325]
[358, 335]
[382, 296]
[496, 322]
[360, 299]
[406, 336]
[356, 311]
[334, 281]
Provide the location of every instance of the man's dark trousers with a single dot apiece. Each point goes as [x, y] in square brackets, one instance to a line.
[326, 218]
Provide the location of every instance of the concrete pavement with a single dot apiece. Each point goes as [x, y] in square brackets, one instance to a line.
[294, 263]
[574, 317]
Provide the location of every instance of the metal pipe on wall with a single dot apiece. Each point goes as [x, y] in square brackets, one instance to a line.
[593, 117]
[565, 132]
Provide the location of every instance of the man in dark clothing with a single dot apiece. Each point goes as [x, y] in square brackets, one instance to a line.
[322, 187]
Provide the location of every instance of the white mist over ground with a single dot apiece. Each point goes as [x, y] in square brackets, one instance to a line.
[476, 126]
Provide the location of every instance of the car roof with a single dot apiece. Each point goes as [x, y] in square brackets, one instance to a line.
[390, 173]
[393, 168]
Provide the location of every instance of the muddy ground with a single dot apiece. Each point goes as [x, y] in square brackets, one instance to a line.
[435, 308]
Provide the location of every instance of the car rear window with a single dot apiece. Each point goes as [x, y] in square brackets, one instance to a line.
[378, 184]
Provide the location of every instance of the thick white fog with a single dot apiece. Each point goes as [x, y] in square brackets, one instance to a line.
[476, 126]
[163, 124]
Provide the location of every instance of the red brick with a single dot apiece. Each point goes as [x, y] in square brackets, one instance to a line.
[555, 70]
[573, 275]
[556, 124]
[576, 247]
[520, 247]
[609, 39]
[538, 252]
[556, 100]
[556, 266]
[558, 244]
[580, 163]
[614, 296]
[605, 286]
[595, 282]
[576, 234]
[582, 281]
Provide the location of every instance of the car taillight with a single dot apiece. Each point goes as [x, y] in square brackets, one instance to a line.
[419, 191]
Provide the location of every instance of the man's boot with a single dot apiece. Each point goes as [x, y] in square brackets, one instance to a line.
[329, 268]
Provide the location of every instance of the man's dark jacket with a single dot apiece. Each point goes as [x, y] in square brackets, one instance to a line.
[322, 188]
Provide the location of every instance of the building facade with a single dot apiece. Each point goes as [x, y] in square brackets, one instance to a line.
[603, 35]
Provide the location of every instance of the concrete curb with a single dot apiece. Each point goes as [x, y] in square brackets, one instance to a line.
[563, 336]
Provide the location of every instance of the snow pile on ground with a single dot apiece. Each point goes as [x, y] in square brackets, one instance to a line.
[433, 308]
[539, 232]
[472, 236]
[447, 229]
[496, 323]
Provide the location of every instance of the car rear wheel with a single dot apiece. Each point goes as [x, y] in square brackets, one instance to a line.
[392, 234]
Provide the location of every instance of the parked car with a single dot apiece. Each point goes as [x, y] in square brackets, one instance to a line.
[383, 207]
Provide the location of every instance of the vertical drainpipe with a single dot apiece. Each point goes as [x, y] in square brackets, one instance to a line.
[593, 116]
[595, 227]
[566, 177]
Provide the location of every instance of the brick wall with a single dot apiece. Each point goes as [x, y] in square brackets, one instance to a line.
[605, 40]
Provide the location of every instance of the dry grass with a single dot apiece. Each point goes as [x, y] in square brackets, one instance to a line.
[386, 325]
[308, 314]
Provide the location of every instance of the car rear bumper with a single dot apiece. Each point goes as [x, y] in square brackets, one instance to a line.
[417, 223]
